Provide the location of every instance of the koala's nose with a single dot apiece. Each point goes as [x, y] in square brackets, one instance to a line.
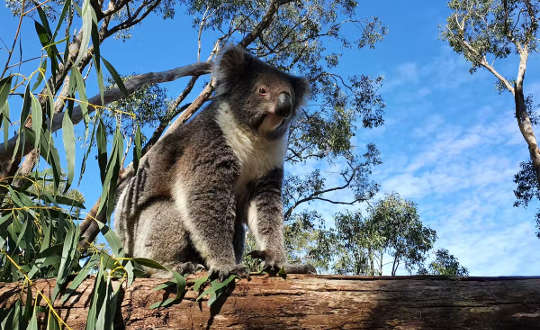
[284, 105]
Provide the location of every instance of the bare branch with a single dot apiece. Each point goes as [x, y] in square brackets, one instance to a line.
[317, 195]
[10, 52]
[264, 23]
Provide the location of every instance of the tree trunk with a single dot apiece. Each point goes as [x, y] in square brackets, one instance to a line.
[526, 128]
[315, 302]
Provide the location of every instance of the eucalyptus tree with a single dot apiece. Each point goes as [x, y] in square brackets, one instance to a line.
[444, 264]
[295, 38]
[364, 242]
[484, 31]
[38, 234]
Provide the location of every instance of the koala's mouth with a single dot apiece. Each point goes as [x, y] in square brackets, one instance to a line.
[271, 122]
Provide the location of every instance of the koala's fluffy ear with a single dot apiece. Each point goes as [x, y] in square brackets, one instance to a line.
[231, 66]
[301, 90]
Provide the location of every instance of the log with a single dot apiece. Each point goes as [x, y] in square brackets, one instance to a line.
[322, 302]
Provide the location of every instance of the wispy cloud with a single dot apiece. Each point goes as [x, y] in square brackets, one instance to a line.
[455, 156]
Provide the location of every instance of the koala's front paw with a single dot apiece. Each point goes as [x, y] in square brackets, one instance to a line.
[273, 261]
[223, 271]
[189, 268]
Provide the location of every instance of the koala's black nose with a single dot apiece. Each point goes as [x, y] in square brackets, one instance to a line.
[284, 105]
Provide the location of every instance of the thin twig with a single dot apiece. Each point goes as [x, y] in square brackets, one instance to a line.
[14, 39]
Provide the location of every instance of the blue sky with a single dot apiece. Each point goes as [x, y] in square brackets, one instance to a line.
[450, 142]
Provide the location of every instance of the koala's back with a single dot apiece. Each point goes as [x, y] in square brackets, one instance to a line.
[146, 212]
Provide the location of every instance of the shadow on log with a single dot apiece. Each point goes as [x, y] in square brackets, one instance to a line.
[322, 302]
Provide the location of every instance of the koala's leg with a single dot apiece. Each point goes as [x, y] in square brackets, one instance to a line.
[123, 223]
[208, 211]
[265, 219]
[160, 235]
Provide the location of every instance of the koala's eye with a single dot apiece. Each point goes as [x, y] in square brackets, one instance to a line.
[262, 91]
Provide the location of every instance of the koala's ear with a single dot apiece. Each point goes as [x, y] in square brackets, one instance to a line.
[301, 90]
[231, 66]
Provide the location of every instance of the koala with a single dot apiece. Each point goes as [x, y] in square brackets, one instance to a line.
[190, 201]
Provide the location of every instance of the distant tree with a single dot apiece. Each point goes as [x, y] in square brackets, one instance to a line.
[358, 244]
[396, 223]
[486, 30]
[444, 264]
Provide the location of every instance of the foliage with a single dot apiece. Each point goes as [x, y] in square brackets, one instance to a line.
[39, 220]
[147, 107]
[496, 28]
[358, 244]
[444, 264]
[404, 236]
[488, 30]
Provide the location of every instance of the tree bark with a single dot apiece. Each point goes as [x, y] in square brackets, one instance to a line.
[315, 302]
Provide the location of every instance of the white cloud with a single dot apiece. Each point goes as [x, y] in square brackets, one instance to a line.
[453, 149]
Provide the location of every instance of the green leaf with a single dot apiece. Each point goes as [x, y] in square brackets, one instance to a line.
[164, 285]
[27, 103]
[33, 325]
[130, 271]
[68, 136]
[215, 290]
[28, 307]
[5, 86]
[43, 17]
[101, 140]
[67, 5]
[116, 77]
[97, 295]
[45, 39]
[40, 74]
[107, 198]
[198, 283]
[52, 322]
[149, 263]
[51, 156]
[49, 256]
[88, 149]
[81, 276]
[110, 236]
[88, 18]
[77, 82]
[95, 42]
[101, 322]
[180, 285]
[4, 109]
[137, 149]
[101, 86]
[9, 321]
[68, 253]
[37, 120]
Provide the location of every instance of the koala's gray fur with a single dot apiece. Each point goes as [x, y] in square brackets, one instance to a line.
[190, 200]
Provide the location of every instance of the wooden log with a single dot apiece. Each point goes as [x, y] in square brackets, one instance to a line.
[323, 302]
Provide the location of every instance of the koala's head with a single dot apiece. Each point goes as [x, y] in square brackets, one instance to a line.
[260, 96]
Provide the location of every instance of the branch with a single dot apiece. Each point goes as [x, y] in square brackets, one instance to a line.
[317, 195]
[483, 62]
[313, 302]
[114, 94]
[264, 23]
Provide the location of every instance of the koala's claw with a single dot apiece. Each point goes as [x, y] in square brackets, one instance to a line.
[223, 272]
[272, 263]
[189, 268]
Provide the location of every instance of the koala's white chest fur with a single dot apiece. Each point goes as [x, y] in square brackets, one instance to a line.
[256, 154]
